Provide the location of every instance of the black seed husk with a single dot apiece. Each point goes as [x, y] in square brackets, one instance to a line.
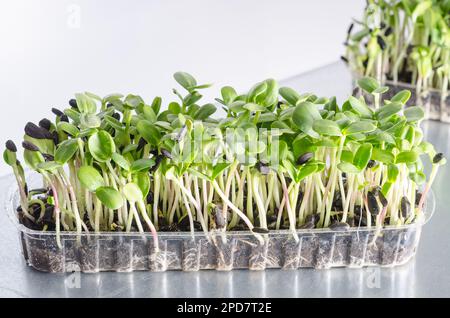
[38, 191]
[64, 118]
[344, 59]
[438, 157]
[365, 63]
[372, 203]
[405, 207]
[372, 163]
[73, 103]
[55, 138]
[29, 146]
[150, 197]
[381, 42]
[57, 112]
[304, 158]
[339, 226]
[141, 144]
[260, 230]
[382, 25]
[11, 146]
[418, 197]
[45, 123]
[48, 157]
[388, 31]
[158, 160]
[37, 132]
[382, 198]
[262, 167]
[116, 116]
[166, 153]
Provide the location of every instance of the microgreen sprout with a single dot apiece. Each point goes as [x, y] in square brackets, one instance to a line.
[406, 41]
[279, 160]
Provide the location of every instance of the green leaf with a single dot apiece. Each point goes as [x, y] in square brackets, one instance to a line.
[267, 117]
[101, 146]
[368, 84]
[392, 172]
[142, 179]
[218, 169]
[347, 156]
[149, 113]
[255, 92]
[407, 157]
[110, 197]
[192, 98]
[306, 171]
[382, 155]
[228, 94]
[114, 122]
[68, 128]
[348, 168]
[186, 80]
[327, 127]
[50, 166]
[66, 150]
[149, 132]
[401, 97]
[290, 168]
[156, 105]
[414, 113]
[89, 121]
[418, 177]
[237, 106]
[133, 101]
[10, 157]
[142, 164]
[289, 95]
[381, 90]
[360, 107]
[388, 110]
[85, 104]
[121, 161]
[362, 156]
[132, 192]
[90, 178]
[33, 158]
[359, 127]
[254, 107]
[271, 96]
[385, 188]
[174, 108]
[304, 115]
[205, 111]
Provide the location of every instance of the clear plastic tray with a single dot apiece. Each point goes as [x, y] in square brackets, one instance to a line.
[126, 252]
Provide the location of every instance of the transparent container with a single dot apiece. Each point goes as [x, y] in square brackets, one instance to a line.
[127, 252]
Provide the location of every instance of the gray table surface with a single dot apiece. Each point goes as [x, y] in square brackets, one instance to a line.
[428, 275]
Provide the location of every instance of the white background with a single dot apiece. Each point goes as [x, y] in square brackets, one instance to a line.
[50, 49]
